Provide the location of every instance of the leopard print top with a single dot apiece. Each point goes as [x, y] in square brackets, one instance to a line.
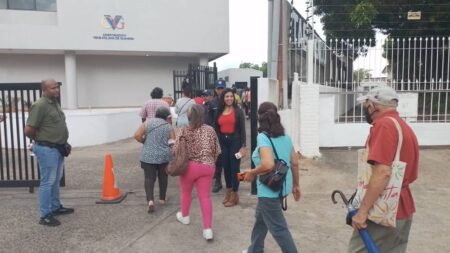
[203, 144]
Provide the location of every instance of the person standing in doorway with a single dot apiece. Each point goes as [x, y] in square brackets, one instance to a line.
[380, 107]
[149, 108]
[213, 107]
[46, 125]
[230, 127]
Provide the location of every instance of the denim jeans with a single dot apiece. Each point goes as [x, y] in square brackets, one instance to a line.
[50, 166]
[269, 217]
[230, 145]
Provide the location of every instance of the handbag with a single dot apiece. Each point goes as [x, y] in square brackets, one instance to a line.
[276, 178]
[178, 165]
[384, 210]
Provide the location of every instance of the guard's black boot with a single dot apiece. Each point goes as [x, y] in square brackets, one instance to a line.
[217, 184]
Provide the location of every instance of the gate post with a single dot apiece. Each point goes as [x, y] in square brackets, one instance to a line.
[307, 113]
[253, 122]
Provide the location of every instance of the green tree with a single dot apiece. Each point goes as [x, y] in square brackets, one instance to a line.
[361, 18]
[361, 74]
[248, 65]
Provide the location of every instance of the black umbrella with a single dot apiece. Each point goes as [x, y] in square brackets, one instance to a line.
[363, 233]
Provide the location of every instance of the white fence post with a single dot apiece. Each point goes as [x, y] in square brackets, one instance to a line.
[306, 121]
[295, 112]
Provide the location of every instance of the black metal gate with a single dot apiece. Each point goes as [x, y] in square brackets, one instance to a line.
[18, 166]
[200, 78]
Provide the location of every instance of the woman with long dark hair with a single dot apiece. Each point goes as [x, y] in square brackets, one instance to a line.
[230, 127]
[269, 215]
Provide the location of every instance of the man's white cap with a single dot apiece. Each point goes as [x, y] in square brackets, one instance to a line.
[382, 94]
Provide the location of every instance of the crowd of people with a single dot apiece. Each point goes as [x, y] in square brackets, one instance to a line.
[213, 125]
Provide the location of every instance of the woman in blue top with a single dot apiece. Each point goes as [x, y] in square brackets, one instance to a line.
[269, 215]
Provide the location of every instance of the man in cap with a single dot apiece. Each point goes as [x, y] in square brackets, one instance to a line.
[206, 96]
[212, 108]
[380, 104]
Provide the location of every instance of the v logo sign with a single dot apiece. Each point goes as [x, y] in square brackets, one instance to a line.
[115, 23]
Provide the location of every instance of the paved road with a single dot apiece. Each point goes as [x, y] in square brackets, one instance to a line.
[316, 224]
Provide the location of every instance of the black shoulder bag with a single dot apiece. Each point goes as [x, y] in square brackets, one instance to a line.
[276, 178]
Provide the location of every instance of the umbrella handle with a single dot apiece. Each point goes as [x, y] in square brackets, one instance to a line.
[368, 241]
[363, 233]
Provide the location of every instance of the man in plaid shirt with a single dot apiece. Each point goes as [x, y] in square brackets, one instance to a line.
[149, 109]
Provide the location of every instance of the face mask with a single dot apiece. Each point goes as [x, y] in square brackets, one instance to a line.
[368, 115]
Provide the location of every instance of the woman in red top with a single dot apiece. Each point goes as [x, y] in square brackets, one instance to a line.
[230, 127]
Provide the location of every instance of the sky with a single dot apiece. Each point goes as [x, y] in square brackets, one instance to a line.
[248, 36]
[248, 32]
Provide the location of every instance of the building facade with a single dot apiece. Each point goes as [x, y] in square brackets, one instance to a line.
[109, 53]
[238, 76]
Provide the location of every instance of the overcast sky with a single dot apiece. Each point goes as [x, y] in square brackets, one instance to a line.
[248, 32]
[248, 36]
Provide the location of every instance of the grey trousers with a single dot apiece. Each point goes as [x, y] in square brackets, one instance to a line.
[151, 171]
[387, 239]
[269, 217]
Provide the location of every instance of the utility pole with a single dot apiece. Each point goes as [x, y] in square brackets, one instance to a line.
[310, 46]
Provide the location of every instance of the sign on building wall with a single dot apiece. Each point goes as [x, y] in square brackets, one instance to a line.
[115, 23]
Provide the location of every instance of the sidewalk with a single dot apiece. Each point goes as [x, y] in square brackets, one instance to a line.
[315, 223]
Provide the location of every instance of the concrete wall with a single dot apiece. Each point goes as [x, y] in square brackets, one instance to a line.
[86, 127]
[312, 125]
[156, 26]
[103, 81]
[267, 90]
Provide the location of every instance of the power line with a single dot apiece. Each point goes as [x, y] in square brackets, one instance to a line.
[390, 29]
[404, 5]
[396, 22]
[384, 12]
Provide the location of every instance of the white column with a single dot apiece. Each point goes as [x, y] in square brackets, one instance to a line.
[70, 61]
[308, 119]
[295, 112]
[203, 61]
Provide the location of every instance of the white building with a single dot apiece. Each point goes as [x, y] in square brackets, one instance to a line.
[237, 75]
[108, 53]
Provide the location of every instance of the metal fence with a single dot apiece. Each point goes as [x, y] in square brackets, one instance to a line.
[418, 68]
[200, 78]
[18, 166]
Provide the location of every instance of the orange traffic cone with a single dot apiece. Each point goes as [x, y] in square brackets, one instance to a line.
[111, 191]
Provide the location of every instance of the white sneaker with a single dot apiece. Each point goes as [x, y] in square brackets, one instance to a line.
[244, 251]
[208, 234]
[183, 220]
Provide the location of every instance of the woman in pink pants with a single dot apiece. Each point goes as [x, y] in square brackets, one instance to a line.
[203, 151]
